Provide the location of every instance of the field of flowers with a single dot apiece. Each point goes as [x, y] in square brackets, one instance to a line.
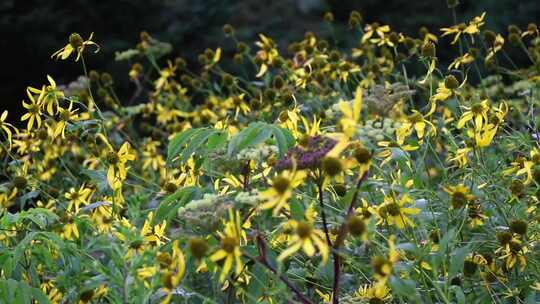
[315, 174]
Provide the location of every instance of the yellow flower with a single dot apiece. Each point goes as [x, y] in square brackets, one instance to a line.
[117, 171]
[461, 61]
[267, 54]
[7, 127]
[151, 156]
[70, 231]
[477, 112]
[7, 197]
[389, 146]
[307, 238]
[383, 266]
[276, 197]
[373, 293]
[175, 272]
[524, 166]
[484, 136]
[34, 110]
[416, 122]
[471, 29]
[459, 195]
[163, 81]
[513, 252]
[351, 113]
[445, 90]
[461, 156]
[51, 95]
[76, 44]
[497, 46]
[78, 197]
[375, 28]
[65, 115]
[153, 234]
[394, 212]
[230, 246]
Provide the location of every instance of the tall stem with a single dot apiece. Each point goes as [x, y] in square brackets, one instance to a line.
[342, 233]
[323, 212]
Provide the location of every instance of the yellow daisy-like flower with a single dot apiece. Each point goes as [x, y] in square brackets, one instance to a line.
[51, 95]
[383, 266]
[76, 44]
[393, 211]
[351, 113]
[514, 252]
[306, 237]
[484, 136]
[153, 234]
[477, 112]
[461, 61]
[66, 116]
[78, 197]
[471, 29]
[373, 294]
[117, 171]
[172, 276]
[445, 90]
[8, 128]
[34, 110]
[230, 246]
[415, 122]
[372, 29]
[276, 197]
[459, 195]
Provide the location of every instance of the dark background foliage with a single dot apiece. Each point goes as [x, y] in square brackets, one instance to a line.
[31, 30]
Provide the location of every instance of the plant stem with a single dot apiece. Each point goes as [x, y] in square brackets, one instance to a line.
[323, 213]
[261, 259]
[341, 237]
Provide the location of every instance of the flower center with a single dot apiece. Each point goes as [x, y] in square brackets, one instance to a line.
[477, 108]
[228, 244]
[393, 209]
[304, 230]
[281, 184]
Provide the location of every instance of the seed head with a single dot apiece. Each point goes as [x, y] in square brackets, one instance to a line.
[332, 166]
[519, 227]
[303, 229]
[228, 29]
[469, 267]
[75, 40]
[328, 17]
[451, 82]
[356, 225]
[198, 247]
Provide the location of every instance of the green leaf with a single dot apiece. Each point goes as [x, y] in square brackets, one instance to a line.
[177, 143]
[12, 291]
[297, 209]
[254, 134]
[458, 292]
[194, 141]
[456, 261]
[404, 288]
[99, 178]
[170, 204]
[284, 139]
